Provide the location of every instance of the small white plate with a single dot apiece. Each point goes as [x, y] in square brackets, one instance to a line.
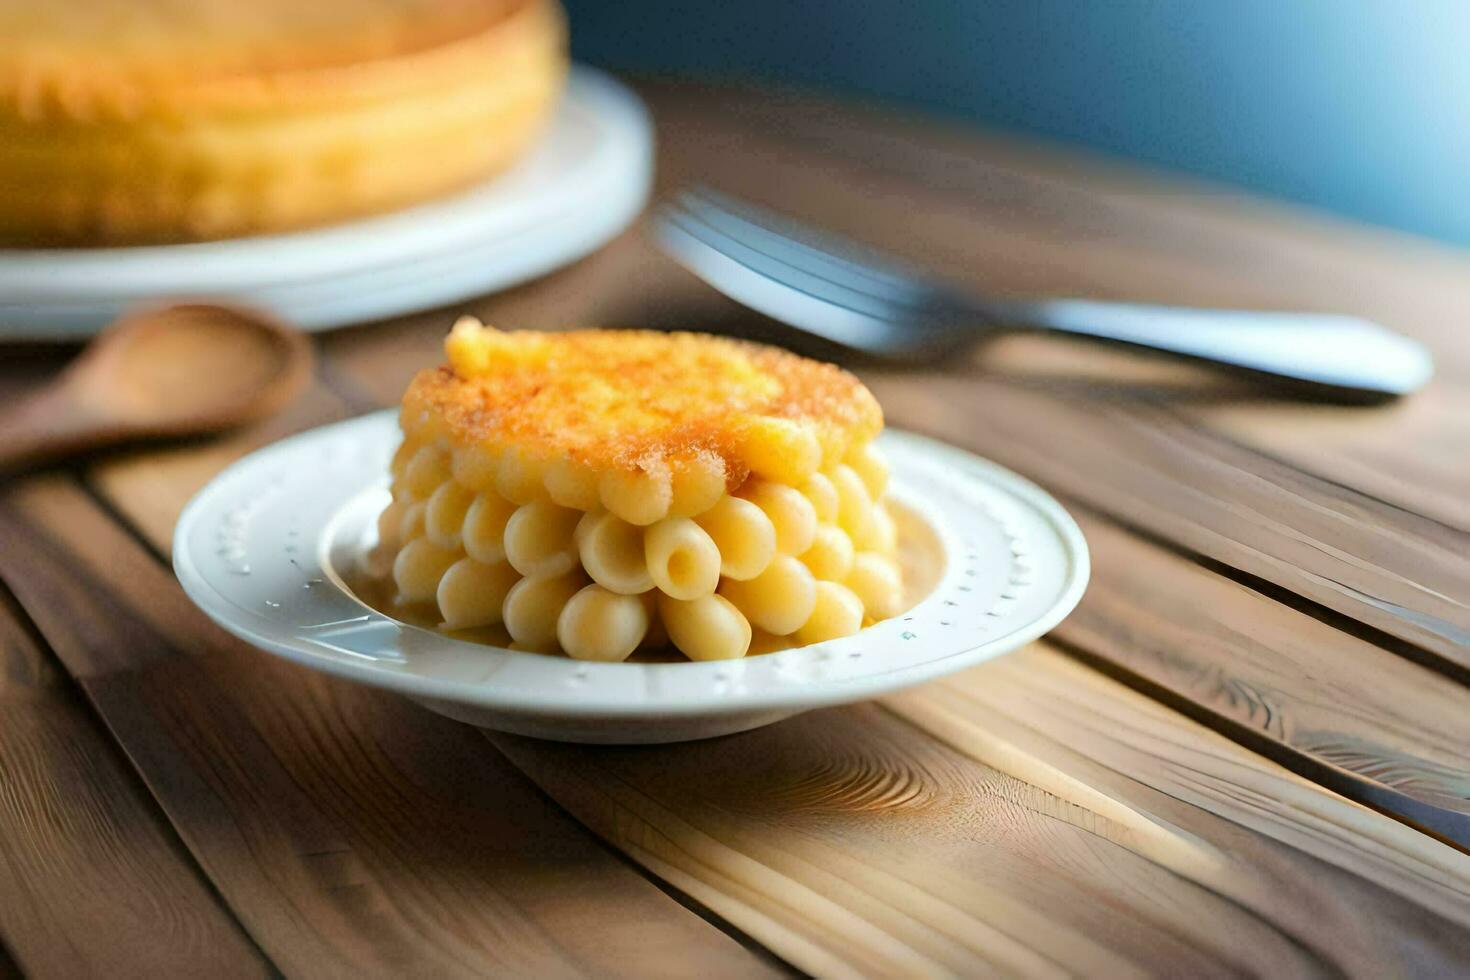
[585, 181]
[267, 548]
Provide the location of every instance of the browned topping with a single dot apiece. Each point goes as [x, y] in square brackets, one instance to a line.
[619, 399]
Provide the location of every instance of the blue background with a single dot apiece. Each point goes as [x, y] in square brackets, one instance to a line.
[1358, 106]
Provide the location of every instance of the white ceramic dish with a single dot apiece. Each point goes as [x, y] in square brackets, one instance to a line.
[267, 547]
[584, 182]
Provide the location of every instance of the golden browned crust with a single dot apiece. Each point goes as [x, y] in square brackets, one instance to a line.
[81, 57]
[610, 399]
[139, 120]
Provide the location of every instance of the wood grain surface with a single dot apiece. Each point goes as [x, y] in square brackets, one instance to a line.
[93, 880]
[350, 831]
[1389, 569]
[1246, 753]
[1387, 732]
[851, 843]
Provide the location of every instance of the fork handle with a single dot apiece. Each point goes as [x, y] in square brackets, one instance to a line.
[1326, 349]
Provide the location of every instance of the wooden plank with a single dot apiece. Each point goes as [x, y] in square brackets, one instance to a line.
[1348, 714]
[349, 831]
[1405, 456]
[1067, 825]
[93, 881]
[1412, 455]
[1045, 715]
[1394, 570]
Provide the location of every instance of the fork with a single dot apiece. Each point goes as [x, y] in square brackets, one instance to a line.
[848, 293]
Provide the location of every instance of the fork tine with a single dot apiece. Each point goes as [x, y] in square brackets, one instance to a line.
[753, 257]
[817, 253]
[775, 289]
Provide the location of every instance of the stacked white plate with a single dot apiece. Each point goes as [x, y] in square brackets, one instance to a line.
[585, 181]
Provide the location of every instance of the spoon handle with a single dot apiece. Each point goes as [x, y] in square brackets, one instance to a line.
[1325, 349]
[44, 425]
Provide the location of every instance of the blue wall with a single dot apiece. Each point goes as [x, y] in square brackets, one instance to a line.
[1358, 106]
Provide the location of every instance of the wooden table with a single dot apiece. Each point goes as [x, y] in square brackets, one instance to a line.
[1247, 752]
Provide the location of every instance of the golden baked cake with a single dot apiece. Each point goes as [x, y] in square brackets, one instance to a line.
[599, 491]
[170, 120]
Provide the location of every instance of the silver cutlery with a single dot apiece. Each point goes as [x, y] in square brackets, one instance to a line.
[848, 293]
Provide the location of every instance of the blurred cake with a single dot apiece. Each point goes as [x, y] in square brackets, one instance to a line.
[599, 491]
[128, 121]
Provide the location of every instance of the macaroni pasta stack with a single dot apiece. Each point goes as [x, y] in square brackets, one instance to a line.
[596, 492]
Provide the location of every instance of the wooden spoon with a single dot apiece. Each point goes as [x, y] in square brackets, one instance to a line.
[175, 371]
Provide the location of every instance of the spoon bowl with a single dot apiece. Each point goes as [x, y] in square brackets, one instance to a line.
[165, 372]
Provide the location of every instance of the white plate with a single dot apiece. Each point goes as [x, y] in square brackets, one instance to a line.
[585, 181]
[265, 550]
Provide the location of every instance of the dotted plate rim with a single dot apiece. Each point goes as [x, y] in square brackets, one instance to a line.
[256, 550]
